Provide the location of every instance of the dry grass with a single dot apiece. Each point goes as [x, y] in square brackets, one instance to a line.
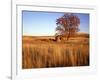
[43, 53]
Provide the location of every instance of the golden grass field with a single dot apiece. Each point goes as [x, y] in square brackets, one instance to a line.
[45, 52]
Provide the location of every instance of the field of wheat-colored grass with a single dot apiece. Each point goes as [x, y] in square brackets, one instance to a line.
[44, 53]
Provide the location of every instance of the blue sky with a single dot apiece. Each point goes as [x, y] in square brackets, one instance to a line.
[44, 23]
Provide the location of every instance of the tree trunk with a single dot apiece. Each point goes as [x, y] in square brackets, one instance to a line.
[68, 36]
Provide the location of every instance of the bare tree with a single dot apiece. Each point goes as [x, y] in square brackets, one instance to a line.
[67, 25]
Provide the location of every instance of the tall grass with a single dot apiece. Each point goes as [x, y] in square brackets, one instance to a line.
[54, 55]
